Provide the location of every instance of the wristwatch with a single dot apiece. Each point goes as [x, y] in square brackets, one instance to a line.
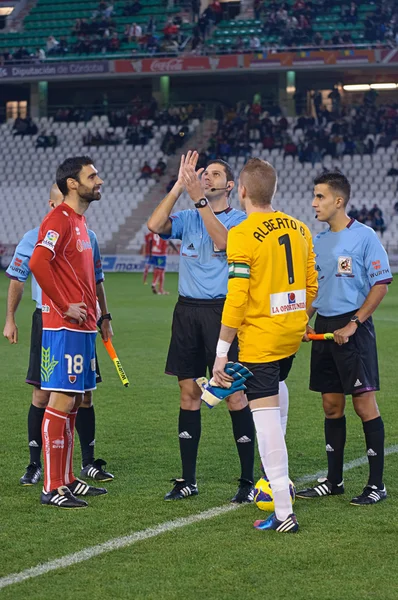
[201, 203]
[355, 319]
[107, 317]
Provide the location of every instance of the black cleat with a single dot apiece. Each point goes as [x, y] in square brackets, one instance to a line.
[370, 495]
[32, 475]
[324, 488]
[63, 498]
[182, 490]
[289, 525]
[81, 488]
[245, 492]
[95, 471]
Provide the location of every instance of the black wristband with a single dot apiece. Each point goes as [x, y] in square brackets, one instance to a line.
[107, 317]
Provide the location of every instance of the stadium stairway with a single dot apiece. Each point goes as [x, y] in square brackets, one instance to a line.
[136, 223]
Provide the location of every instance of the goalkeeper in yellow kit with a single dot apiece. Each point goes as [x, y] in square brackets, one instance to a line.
[272, 280]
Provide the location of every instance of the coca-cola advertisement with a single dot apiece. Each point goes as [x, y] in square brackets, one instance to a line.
[176, 64]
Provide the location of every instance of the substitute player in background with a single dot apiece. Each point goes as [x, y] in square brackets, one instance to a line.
[62, 264]
[353, 279]
[197, 316]
[148, 255]
[18, 271]
[272, 279]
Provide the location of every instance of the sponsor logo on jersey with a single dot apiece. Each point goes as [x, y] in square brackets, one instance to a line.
[17, 262]
[344, 265]
[77, 230]
[45, 308]
[285, 302]
[376, 264]
[58, 444]
[50, 239]
[82, 245]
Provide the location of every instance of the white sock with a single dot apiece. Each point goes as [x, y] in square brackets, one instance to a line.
[283, 404]
[273, 452]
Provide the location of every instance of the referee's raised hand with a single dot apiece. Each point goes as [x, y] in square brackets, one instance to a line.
[190, 177]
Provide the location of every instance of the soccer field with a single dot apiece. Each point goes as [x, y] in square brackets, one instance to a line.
[342, 552]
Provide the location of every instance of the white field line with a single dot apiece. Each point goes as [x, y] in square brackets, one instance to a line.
[145, 534]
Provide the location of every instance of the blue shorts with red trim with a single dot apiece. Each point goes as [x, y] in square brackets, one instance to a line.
[68, 361]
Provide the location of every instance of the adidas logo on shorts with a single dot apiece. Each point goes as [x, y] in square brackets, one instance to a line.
[329, 448]
[184, 435]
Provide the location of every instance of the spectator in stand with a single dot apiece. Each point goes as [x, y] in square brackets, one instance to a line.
[134, 33]
[146, 172]
[195, 7]
[216, 11]
[353, 213]
[363, 214]
[46, 141]
[21, 54]
[159, 169]
[290, 149]
[24, 127]
[378, 221]
[40, 55]
[52, 45]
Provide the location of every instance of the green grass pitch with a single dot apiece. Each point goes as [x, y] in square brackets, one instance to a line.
[341, 553]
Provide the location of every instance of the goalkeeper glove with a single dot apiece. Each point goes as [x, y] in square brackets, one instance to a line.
[233, 369]
[213, 394]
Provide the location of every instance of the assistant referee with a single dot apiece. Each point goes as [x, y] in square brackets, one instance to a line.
[202, 287]
[353, 278]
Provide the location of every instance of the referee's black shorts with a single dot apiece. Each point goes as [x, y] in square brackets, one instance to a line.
[348, 369]
[33, 376]
[194, 335]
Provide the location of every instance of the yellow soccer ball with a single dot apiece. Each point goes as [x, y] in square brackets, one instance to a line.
[263, 496]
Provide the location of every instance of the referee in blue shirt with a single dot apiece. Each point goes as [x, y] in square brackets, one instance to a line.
[203, 281]
[353, 278]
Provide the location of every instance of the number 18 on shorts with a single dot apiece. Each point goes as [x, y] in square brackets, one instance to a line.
[68, 361]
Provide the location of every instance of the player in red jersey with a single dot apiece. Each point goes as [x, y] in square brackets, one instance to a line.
[158, 261]
[148, 254]
[62, 263]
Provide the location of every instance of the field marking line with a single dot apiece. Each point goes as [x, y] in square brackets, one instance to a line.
[138, 536]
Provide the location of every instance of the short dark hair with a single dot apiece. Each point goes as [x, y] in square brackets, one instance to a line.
[227, 168]
[337, 181]
[260, 180]
[70, 169]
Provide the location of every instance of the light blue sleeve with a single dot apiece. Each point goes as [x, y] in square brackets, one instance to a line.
[19, 266]
[178, 222]
[376, 260]
[237, 217]
[99, 274]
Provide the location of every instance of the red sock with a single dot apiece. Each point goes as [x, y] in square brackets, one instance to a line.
[69, 437]
[146, 272]
[156, 274]
[161, 281]
[53, 430]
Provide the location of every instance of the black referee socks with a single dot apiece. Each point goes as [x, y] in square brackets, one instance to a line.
[189, 430]
[374, 436]
[35, 419]
[335, 436]
[244, 434]
[85, 427]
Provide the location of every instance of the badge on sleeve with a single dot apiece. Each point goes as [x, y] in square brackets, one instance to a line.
[344, 265]
[50, 239]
